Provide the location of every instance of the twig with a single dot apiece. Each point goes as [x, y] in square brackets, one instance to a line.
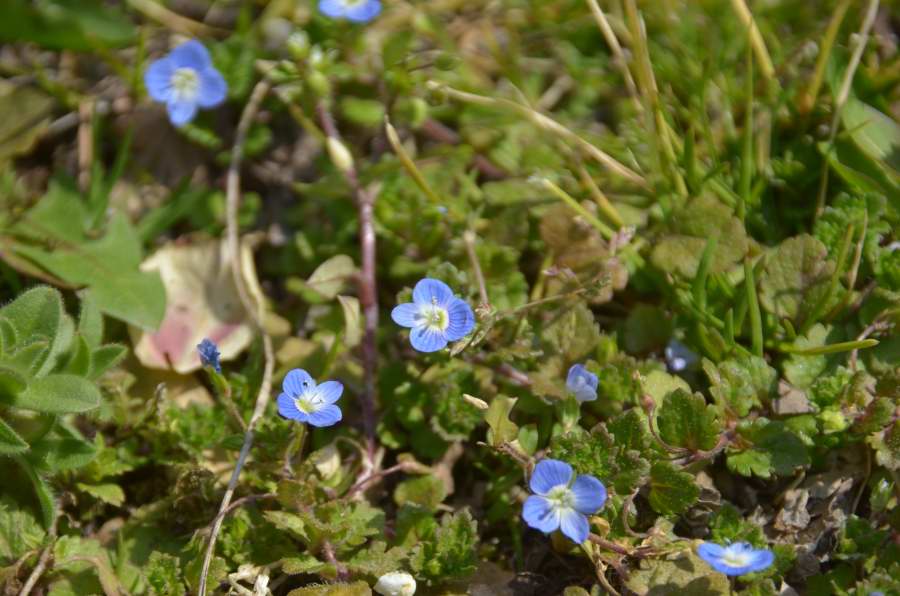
[360, 485]
[544, 122]
[368, 290]
[253, 306]
[469, 239]
[756, 39]
[242, 501]
[174, 21]
[42, 562]
[613, 42]
[844, 93]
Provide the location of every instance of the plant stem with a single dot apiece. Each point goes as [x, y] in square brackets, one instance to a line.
[253, 305]
[368, 290]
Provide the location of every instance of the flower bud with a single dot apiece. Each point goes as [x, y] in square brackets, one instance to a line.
[339, 154]
[396, 583]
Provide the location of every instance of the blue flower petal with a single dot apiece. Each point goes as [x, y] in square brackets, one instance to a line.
[582, 383]
[432, 291]
[539, 514]
[721, 558]
[330, 391]
[327, 416]
[574, 525]
[288, 408]
[191, 54]
[762, 559]
[158, 79]
[181, 112]
[363, 12]
[549, 473]
[426, 339]
[589, 493]
[462, 319]
[213, 88]
[332, 8]
[405, 314]
[297, 382]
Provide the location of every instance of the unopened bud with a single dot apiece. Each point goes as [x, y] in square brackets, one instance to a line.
[339, 154]
[396, 583]
[478, 403]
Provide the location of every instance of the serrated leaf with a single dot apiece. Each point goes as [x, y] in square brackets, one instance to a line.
[686, 420]
[163, 573]
[684, 574]
[376, 560]
[108, 492]
[741, 383]
[20, 532]
[672, 492]
[775, 450]
[450, 552]
[792, 272]
[58, 394]
[289, 522]
[304, 563]
[359, 588]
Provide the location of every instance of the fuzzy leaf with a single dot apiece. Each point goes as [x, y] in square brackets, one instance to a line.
[791, 273]
[58, 394]
[672, 491]
[685, 420]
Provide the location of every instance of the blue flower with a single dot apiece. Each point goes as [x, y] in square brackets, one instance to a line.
[185, 80]
[435, 316]
[209, 354]
[735, 559]
[679, 356]
[582, 383]
[304, 401]
[560, 504]
[358, 11]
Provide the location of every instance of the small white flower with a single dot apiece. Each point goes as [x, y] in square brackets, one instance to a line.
[396, 583]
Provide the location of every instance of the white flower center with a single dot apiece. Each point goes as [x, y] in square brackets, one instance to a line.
[560, 497]
[185, 83]
[734, 558]
[434, 317]
[309, 401]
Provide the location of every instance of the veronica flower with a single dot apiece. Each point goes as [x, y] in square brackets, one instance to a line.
[304, 401]
[209, 354]
[558, 503]
[735, 559]
[679, 356]
[185, 80]
[582, 383]
[358, 11]
[435, 316]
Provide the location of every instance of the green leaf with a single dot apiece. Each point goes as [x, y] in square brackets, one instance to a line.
[875, 133]
[78, 25]
[109, 267]
[10, 441]
[646, 328]
[90, 321]
[796, 270]
[887, 447]
[377, 559]
[58, 394]
[775, 450]
[108, 493]
[449, 553]
[20, 532]
[79, 362]
[331, 277]
[672, 492]
[691, 229]
[38, 316]
[686, 574]
[502, 429]
[685, 420]
[290, 522]
[425, 491]
[41, 489]
[306, 563]
[163, 573]
[352, 320]
[359, 588]
[741, 383]
[24, 115]
[104, 358]
[61, 450]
